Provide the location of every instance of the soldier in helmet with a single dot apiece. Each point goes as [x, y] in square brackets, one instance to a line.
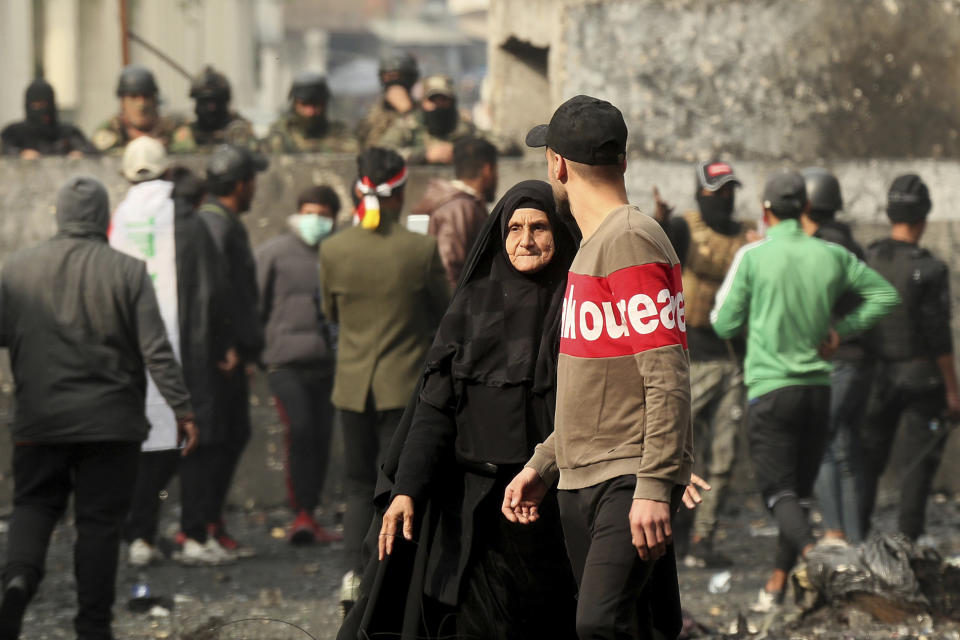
[915, 383]
[307, 126]
[398, 73]
[216, 123]
[138, 115]
[838, 483]
[42, 133]
[426, 135]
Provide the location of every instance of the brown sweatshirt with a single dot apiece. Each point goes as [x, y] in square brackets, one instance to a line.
[623, 383]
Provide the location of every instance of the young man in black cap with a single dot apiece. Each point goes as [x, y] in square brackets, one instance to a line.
[622, 445]
[782, 291]
[915, 383]
[706, 241]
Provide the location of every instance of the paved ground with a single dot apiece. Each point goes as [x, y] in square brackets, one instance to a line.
[298, 586]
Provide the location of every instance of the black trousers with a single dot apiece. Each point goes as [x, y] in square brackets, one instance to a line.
[101, 476]
[154, 472]
[894, 407]
[610, 574]
[788, 430]
[303, 401]
[366, 437]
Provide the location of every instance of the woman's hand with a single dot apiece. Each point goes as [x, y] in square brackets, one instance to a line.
[691, 497]
[401, 509]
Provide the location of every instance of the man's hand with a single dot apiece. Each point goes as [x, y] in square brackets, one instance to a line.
[662, 210]
[439, 153]
[401, 509]
[691, 497]
[29, 154]
[399, 98]
[186, 435]
[231, 360]
[829, 346]
[522, 497]
[650, 528]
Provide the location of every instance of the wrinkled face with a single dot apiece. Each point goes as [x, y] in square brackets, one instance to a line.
[139, 111]
[530, 245]
[308, 109]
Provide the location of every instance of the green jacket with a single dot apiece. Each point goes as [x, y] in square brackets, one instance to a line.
[783, 289]
[387, 290]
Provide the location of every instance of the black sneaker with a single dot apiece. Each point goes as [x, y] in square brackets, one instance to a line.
[12, 608]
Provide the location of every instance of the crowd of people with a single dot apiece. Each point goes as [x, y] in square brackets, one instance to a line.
[519, 392]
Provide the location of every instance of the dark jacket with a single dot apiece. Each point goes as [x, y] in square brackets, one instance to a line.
[851, 348]
[239, 268]
[456, 218]
[387, 291]
[289, 278]
[82, 324]
[59, 140]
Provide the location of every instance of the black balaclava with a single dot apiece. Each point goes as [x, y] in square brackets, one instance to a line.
[43, 121]
[717, 212]
[212, 111]
[316, 126]
[441, 121]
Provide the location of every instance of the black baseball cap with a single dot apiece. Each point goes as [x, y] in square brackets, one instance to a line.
[229, 163]
[585, 130]
[908, 199]
[785, 193]
[714, 174]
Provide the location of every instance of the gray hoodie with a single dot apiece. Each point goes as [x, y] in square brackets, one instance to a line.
[82, 325]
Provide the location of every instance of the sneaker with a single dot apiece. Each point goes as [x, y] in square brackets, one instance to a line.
[702, 556]
[208, 554]
[12, 608]
[349, 591]
[767, 601]
[219, 533]
[304, 529]
[141, 553]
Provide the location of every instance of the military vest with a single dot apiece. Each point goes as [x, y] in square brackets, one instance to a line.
[708, 258]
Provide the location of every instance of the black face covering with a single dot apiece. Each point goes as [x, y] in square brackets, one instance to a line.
[717, 212]
[212, 114]
[441, 121]
[315, 126]
[42, 120]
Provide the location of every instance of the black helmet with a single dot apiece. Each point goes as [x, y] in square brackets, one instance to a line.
[823, 190]
[228, 164]
[403, 64]
[310, 87]
[136, 80]
[908, 199]
[210, 84]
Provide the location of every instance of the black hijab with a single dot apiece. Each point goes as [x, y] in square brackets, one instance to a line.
[500, 327]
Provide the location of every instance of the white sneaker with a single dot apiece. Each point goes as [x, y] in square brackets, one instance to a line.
[194, 554]
[214, 548]
[141, 553]
[349, 591]
[766, 602]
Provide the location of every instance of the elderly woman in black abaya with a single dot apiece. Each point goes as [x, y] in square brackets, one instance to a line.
[486, 399]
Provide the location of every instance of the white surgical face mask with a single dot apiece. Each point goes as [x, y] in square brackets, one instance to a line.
[313, 227]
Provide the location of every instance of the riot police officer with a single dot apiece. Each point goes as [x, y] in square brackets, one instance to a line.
[838, 482]
[915, 384]
[216, 123]
[139, 116]
[42, 133]
[398, 73]
[307, 126]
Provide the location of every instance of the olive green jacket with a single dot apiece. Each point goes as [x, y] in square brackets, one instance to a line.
[387, 290]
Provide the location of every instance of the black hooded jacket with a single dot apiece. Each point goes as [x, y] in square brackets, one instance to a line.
[82, 325]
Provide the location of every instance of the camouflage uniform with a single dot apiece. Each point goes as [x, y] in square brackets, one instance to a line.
[189, 138]
[289, 135]
[409, 136]
[111, 136]
[375, 124]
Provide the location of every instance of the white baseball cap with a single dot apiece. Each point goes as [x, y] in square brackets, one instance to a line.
[144, 159]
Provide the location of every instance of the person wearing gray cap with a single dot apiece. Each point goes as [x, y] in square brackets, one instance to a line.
[781, 291]
[231, 182]
[915, 383]
[83, 329]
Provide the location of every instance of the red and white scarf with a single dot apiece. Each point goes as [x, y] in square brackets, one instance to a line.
[368, 211]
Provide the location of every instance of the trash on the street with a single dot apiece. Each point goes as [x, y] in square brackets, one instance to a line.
[720, 582]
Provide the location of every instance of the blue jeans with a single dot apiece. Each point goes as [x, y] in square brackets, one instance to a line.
[838, 487]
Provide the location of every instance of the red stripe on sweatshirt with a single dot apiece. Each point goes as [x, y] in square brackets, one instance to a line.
[630, 311]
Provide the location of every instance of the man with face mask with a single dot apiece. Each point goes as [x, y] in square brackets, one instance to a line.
[706, 241]
[41, 133]
[299, 352]
[307, 127]
[138, 115]
[398, 73]
[427, 135]
[216, 123]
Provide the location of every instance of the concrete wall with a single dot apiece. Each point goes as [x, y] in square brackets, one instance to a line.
[765, 80]
[27, 193]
